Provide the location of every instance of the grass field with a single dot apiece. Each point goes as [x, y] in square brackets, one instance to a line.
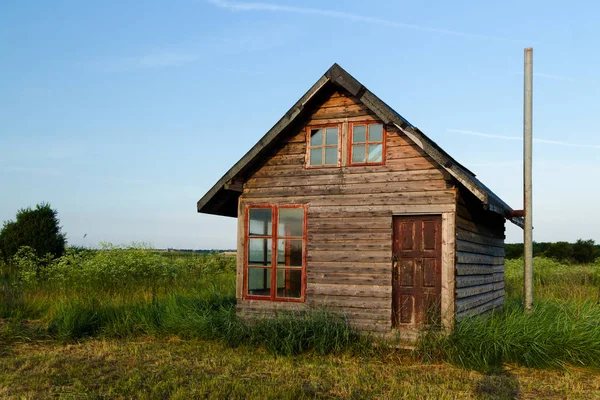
[183, 369]
[135, 323]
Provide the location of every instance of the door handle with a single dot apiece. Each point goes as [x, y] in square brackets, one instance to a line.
[395, 269]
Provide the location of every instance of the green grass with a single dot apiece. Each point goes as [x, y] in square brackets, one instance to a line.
[129, 292]
[114, 275]
[556, 281]
[207, 317]
[563, 329]
[553, 335]
[182, 307]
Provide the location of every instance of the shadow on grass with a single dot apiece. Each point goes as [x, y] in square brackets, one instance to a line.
[498, 384]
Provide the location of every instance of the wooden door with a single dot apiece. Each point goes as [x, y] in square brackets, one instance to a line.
[416, 270]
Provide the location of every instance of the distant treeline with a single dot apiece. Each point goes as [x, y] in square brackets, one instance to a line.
[201, 251]
[582, 251]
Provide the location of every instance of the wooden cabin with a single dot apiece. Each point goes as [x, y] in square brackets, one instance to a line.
[344, 203]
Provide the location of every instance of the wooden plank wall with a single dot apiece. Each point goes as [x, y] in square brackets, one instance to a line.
[479, 258]
[350, 214]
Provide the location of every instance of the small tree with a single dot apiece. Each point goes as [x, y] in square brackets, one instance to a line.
[38, 228]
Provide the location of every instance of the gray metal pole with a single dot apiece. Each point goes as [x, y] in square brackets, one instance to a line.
[527, 180]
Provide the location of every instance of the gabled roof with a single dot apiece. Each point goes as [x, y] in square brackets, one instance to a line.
[222, 198]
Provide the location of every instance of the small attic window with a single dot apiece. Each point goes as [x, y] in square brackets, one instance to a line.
[323, 146]
[367, 143]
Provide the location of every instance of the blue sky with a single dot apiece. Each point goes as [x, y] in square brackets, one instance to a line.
[122, 114]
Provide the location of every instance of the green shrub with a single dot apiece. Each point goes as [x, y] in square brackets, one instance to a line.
[25, 266]
[29, 266]
[111, 269]
[584, 251]
[37, 228]
[540, 248]
[560, 251]
[513, 250]
[581, 252]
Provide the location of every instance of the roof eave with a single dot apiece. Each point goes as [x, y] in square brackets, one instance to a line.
[268, 138]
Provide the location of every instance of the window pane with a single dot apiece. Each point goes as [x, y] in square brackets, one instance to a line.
[260, 222]
[375, 153]
[316, 156]
[331, 136]
[259, 281]
[291, 221]
[358, 154]
[259, 252]
[316, 137]
[289, 252]
[289, 283]
[376, 133]
[331, 155]
[359, 134]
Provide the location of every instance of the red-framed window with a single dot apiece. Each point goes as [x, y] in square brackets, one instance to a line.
[366, 145]
[323, 146]
[275, 256]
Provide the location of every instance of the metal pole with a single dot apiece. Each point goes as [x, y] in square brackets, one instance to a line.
[527, 180]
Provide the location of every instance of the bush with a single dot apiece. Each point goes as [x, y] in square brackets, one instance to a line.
[580, 252]
[113, 269]
[37, 228]
[540, 248]
[513, 250]
[584, 251]
[560, 251]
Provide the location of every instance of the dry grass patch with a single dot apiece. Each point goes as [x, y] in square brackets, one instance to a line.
[174, 368]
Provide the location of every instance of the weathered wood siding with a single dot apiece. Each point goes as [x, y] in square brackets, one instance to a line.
[479, 258]
[349, 214]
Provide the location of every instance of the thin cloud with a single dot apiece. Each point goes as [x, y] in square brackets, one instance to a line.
[537, 140]
[178, 56]
[247, 42]
[472, 133]
[243, 6]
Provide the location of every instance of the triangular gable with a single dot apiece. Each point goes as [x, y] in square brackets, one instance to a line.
[221, 199]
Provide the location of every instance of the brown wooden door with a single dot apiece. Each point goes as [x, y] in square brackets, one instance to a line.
[416, 270]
